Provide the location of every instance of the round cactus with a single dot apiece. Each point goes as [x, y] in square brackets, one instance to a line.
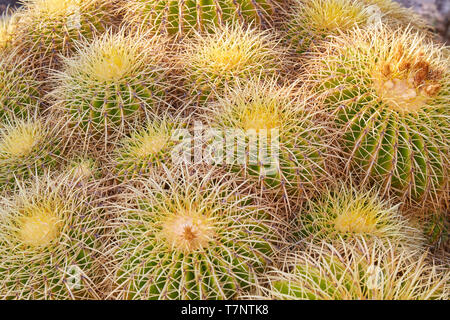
[190, 237]
[146, 149]
[27, 147]
[388, 93]
[359, 273]
[346, 213]
[19, 89]
[179, 17]
[111, 83]
[49, 28]
[212, 62]
[272, 134]
[314, 20]
[82, 170]
[49, 241]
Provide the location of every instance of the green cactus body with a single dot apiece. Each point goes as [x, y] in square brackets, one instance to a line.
[192, 240]
[270, 136]
[112, 82]
[389, 96]
[146, 150]
[213, 62]
[50, 27]
[179, 17]
[27, 147]
[359, 273]
[48, 242]
[19, 90]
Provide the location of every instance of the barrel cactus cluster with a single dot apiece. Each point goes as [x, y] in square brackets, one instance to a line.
[223, 149]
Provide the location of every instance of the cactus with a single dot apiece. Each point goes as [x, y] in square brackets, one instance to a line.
[359, 273]
[190, 236]
[111, 83]
[19, 89]
[346, 213]
[212, 62]
[388, 93]
[49, 28]
[146, 149]
[82, 170]
[179, 17]
[314, 20]
[274, 137]
[49, 241]
[8, 27]
[27, 147]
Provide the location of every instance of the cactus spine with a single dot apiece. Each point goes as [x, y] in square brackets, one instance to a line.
[388, 94]
[197, 237]
[49, 241]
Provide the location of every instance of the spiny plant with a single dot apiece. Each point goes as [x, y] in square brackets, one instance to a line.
[29, 146]
[19, 89]
[212, 62]
[190, 236]
[359, 273]
[437, 228]
[8, 27]
[179, 17]
[388, 94]
[346, 213]
[270, 135]
[49, 28]
[147, 149]
[49, 241]
[111, 83]
[313, 20]
[82, 169]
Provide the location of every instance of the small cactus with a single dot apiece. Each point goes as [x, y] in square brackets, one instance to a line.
[49, 28]
[27, 147]
[179, 17]
[146, 150]
[359, 273]
[312, 21]
[190, 237]
[111, 83]
[345, 213]
[388, 94]
[49, 241]
[275, 138]
[212, 62]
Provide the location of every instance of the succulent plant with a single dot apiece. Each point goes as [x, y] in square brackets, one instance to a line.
[190, 236]
[49, 28]
[346, 213]
[387, 92]
[359, 273]
[147, 149]
[212, 62]
[112, 83]
[8, 26]
[269, 133]
[312, 21]
[49, 241]
[28, 146]
[19, 89]
[182, 16]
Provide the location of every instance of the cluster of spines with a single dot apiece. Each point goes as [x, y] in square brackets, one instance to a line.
[388, 96]
[193, 238]
[49, 241]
